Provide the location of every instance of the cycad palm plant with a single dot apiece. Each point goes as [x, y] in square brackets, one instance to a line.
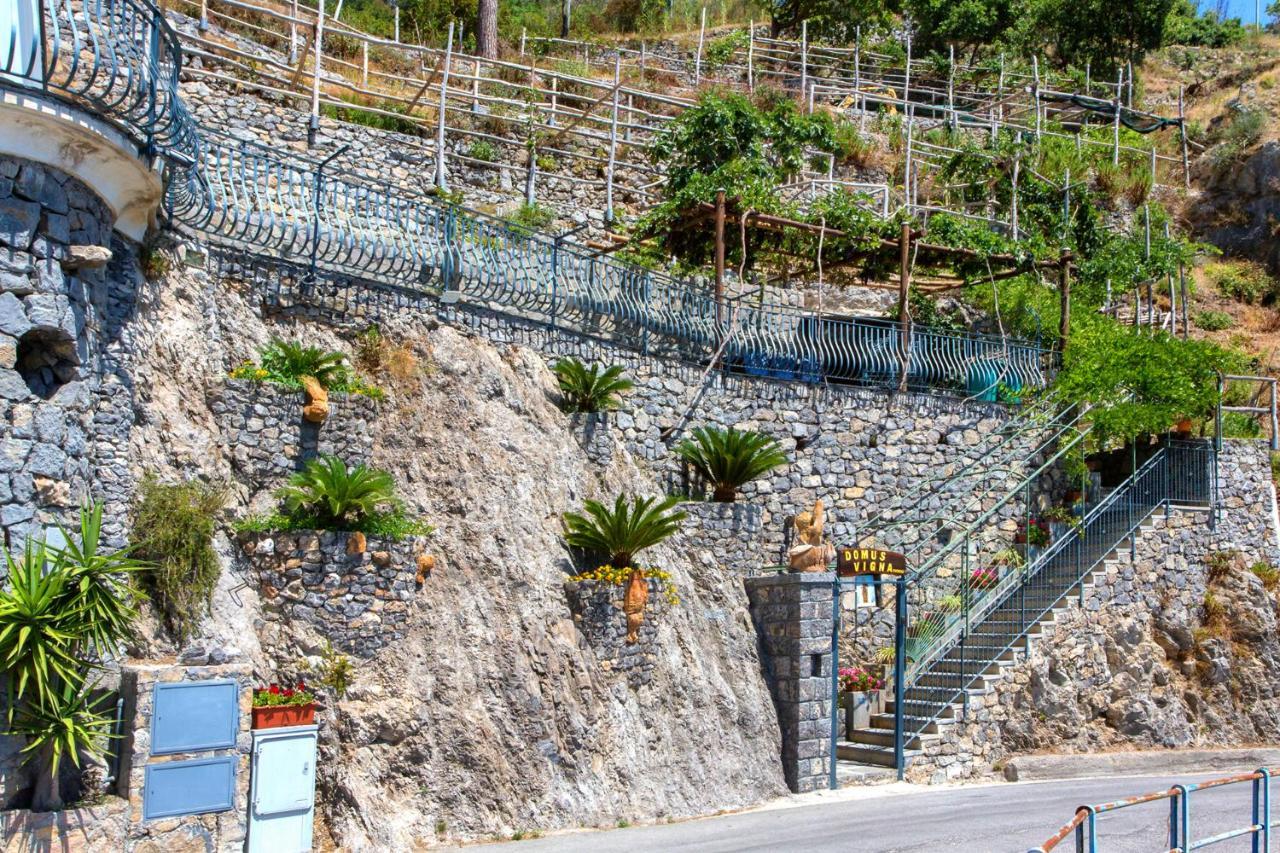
[333, 494]
[622, 531]
[730, 458]
[289, 362]
[590, 389]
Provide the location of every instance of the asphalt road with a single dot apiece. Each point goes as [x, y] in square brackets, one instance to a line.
[895, 819]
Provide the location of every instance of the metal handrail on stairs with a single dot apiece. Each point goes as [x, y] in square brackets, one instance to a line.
[1179, 472]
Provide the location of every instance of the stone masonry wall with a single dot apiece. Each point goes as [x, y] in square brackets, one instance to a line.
[355, 592]
[792, 615]
[1145, 663]
[52, 306]
[730, 531]
[597, 611]
[219, 832]
[83, 829]
[265, 435]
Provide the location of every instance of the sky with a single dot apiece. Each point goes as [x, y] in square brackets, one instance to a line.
[1242, 9]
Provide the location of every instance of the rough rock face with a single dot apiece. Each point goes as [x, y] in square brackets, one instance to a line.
[492, 713]
[1244, 225]
[495, 715]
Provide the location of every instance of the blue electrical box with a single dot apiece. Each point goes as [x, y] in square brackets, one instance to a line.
[282, 790]
[195, 716]
[197, 786]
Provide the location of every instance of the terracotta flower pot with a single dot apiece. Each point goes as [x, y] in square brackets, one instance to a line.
[277, 716]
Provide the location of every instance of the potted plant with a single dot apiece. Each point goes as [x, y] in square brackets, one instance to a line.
[1032, 535]
[861, 691]
[727, 459]
[618, 533]
[1060, 519]
[983, 578]
[275, 706]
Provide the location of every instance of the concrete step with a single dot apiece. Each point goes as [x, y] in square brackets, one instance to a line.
[865, 753]
[884, 737]
[921, 725]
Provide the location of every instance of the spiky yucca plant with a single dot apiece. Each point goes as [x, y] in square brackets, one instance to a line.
[335, 494]
[590, 389]
[729, 458]
[625, 529]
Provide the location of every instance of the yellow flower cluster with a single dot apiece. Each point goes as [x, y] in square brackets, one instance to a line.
[619, 576]
[249, 370]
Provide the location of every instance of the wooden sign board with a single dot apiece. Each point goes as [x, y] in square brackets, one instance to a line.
[851, 562]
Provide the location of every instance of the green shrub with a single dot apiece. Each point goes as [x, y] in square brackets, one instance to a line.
[728, 458]
[1242, 281]
[546, 163]
[1241, 133]
[1214, 321]
[584, 389]
[173, 530]
[62, 612]
[622, 531]
[530, 217]
[1267, 573]
[719, 51]
[335, 670]
[484, 150]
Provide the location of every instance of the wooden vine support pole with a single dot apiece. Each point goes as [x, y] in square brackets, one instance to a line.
[314, 124]
[904, 312]
[1182, 131]
[1115, 148]
[719, 220]
[751, 56]
[697, 59]
[442, 175]
[1064, 299]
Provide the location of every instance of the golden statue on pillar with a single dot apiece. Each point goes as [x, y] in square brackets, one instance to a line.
[810, 553]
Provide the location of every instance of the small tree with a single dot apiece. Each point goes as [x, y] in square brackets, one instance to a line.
[64, 614]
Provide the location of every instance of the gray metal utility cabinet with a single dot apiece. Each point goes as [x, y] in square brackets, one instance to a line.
[283, 790]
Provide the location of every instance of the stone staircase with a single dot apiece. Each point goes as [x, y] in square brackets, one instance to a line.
[938, 698]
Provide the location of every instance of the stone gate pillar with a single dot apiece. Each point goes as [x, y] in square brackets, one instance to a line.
[792, 615]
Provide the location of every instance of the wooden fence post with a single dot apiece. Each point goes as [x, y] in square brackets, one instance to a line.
[1182, 128]
[442, 172]
[555, 92]
[697, 60]
[751, 56]
[293, 34]
[804, 56]
[317, 72]
[904, 308]
[364, 64]
[397, 24]
[1115, 148]
[613, 139]
[719, 256]
[1064, 299]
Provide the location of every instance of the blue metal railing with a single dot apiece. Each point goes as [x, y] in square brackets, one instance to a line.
[118, 58]
[992, 620]
[1084, 826]
[251, 195]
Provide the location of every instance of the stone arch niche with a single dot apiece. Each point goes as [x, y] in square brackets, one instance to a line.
[47, 359]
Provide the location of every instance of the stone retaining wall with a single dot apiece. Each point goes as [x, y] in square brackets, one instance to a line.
[82, 829]
[356, 593]
[52, 307]
[266, 437]
[597, 611]
[223, 832]
[730, 531]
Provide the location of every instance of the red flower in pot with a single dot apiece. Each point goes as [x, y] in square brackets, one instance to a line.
[275, 706]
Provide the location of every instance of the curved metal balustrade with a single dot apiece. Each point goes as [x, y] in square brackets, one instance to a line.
[354, 227]
[118, 58]
[121, 59]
